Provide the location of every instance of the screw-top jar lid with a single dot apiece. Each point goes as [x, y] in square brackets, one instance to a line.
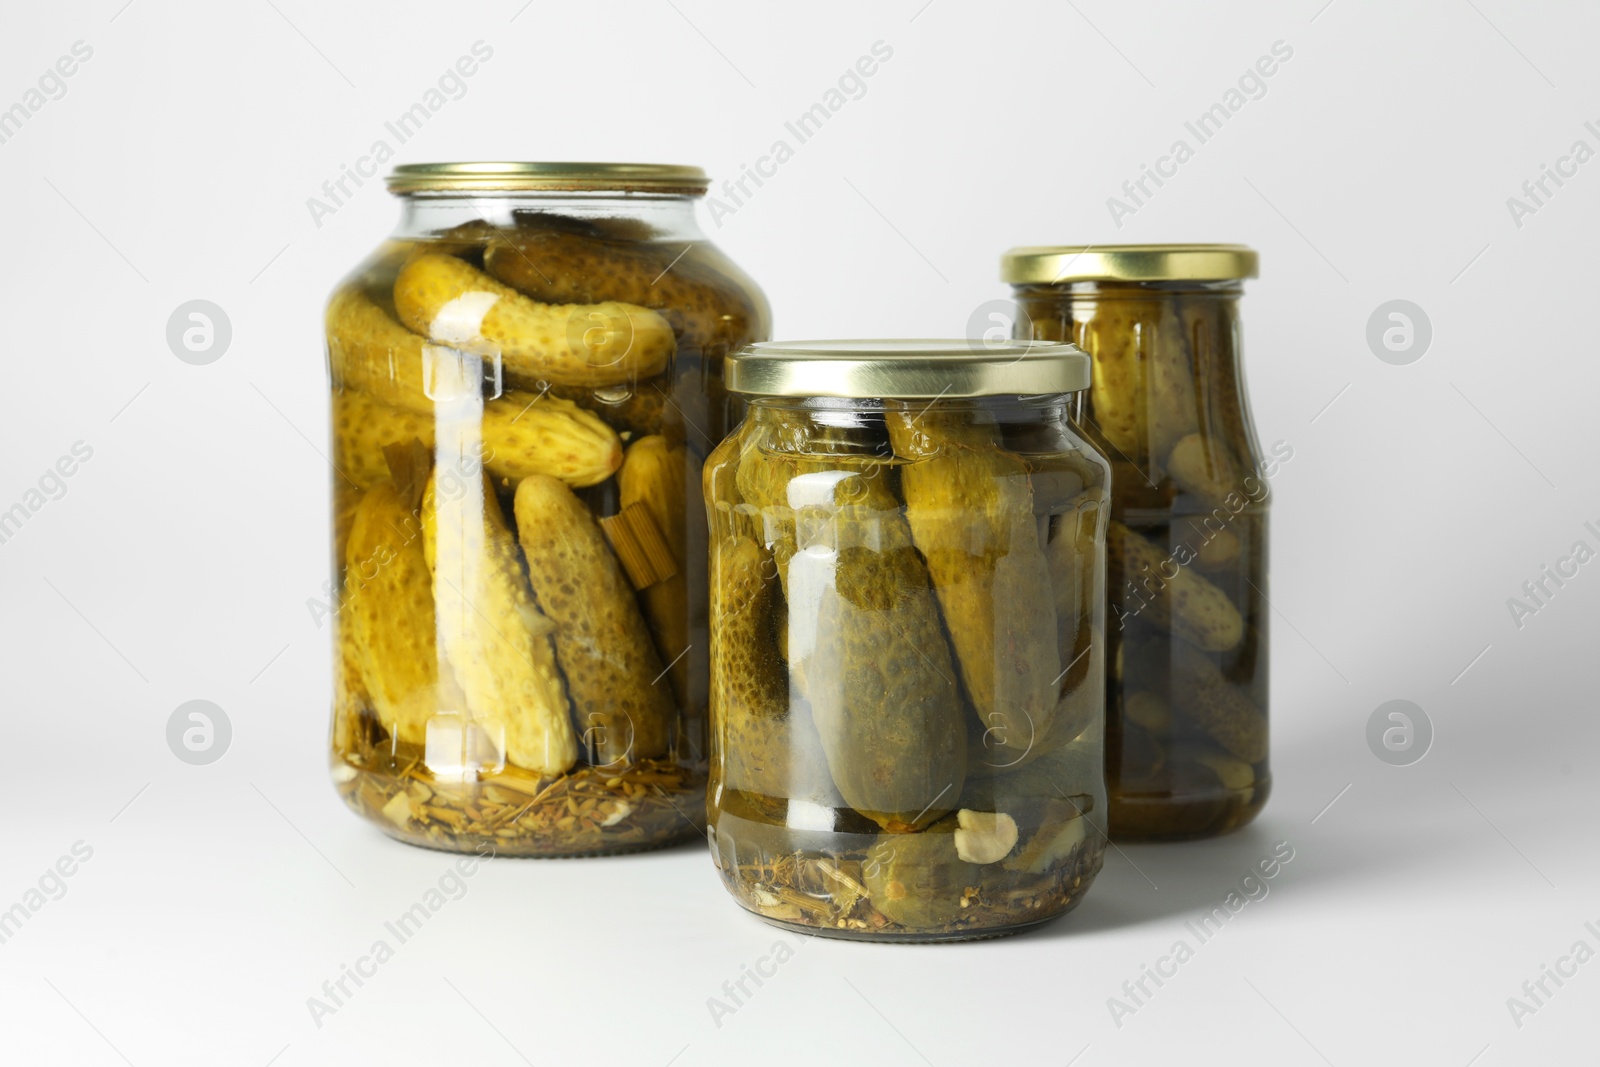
[546, 177]
[1052, 264]
[911, 370]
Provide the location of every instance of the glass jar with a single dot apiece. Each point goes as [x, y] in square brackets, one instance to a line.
[1186, 729]
[527, 377]
[907, 610]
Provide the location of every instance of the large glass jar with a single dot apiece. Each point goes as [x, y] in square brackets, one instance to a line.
[527, 377]
[907, 618]
[1186, 729]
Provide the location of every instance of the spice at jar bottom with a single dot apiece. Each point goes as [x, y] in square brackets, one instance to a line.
[907, 619]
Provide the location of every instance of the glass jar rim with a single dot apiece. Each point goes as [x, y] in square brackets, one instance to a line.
[1054, 264]
[906, 369]
[509, 177]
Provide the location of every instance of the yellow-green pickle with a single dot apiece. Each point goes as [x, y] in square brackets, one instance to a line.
[1186, 722]
[907, 608]
[527, 379]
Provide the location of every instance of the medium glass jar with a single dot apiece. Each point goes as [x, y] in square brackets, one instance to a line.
[527, 376]
[1186, 729]
[907, 618]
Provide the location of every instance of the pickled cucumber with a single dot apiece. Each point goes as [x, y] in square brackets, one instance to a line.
[495, 640]
[863, 626]
[614, 677]
[610, 343]
[634, 411]
[970, 506]
[1142, 392]
[1163, 592]
[1217, 706]
[522, 434]
[1203, 469]
[388, 613]
[559, 267]
[368, 350]
[768, 742]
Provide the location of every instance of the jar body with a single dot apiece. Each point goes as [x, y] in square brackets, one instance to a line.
[525, 388]
[1186, 695]
[907, 665]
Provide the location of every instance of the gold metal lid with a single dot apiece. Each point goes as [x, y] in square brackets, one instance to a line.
[547, 177]
[909, 370]
[1052, 264]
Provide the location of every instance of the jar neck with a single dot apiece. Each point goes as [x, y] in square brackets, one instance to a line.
[667, 217]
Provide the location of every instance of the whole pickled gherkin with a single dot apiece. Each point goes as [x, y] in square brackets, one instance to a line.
[688, 284]
[451, 302]
[882, 689]
[969, 503]
[1160, 589]
[1217, 706]
[613, 674]
[495, 639]
[864, 630]
[1143, 393]
[767, 741]
[389, 617]
[519, 434]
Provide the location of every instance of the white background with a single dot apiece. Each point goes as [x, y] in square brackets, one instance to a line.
[179, 562]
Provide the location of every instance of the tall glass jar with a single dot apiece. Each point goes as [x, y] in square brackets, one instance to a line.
[527, 377]
[907, 605]
[1187, 692]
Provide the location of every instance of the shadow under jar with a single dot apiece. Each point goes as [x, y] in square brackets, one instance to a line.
[1186, 724]
[907, 605]
[527, 377]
